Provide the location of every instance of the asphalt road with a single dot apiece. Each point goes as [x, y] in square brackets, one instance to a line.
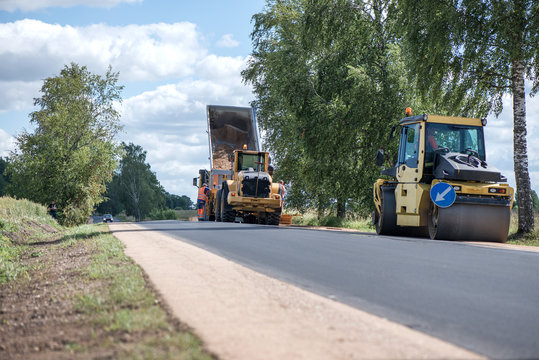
[481, 298]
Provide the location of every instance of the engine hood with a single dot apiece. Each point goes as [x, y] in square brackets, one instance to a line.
[457, 166]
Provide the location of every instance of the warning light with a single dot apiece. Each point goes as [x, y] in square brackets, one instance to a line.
[408, 111]
[244, 146]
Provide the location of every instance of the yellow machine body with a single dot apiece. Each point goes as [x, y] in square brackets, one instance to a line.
[414, 212]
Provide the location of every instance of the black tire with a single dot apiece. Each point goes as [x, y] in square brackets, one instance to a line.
[218, 206]
[273, 218]
[386, 221]
[227, 213]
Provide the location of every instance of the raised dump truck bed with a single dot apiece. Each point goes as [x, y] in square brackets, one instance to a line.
[229, 129]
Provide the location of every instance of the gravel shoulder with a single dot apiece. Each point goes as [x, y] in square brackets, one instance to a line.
[241, 314]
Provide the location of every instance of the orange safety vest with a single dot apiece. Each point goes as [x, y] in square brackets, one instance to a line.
[282, 190]
[202, 193]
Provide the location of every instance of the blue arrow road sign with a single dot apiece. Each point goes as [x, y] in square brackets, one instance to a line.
[443, 194]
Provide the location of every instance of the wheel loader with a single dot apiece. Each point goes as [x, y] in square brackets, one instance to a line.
[240, 179]
[441, 185]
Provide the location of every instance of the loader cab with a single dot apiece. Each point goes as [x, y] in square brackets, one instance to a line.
[251, 161]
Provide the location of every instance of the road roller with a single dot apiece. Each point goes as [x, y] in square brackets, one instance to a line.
[441, 185]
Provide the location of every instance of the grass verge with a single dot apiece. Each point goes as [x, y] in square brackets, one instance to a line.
[80, 296]
[311, 219]
[515, 238]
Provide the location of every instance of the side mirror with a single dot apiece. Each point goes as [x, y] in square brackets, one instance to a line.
[379, 157]
[195, 182]
[392, 132]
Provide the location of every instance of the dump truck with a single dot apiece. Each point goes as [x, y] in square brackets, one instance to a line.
[441, 185]
[240, 175]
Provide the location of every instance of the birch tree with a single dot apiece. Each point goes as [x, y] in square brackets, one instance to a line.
[328, 88]
[466, 54]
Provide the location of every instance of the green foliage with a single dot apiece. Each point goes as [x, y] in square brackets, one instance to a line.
[4, 178]
[167, 214]
[135, 187]
[329, 84]
[178, 202]
[71, 154]
[461, 55]
[535, 200]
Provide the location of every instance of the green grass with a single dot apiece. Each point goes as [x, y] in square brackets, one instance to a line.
[116, 298]
[21, 222]
[531, 239]
[356, 223]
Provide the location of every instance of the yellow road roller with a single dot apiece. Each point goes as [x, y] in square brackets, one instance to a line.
[441, 185]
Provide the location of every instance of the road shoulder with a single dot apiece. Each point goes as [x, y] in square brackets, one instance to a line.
[241, 314]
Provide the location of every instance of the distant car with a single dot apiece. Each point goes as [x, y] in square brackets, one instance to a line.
[108, 218]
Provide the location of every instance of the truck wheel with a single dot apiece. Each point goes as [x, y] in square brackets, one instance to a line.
[218, 206]
[228, 214]
[273, 218]
[386, 221]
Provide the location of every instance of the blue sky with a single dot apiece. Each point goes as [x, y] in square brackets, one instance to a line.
[174, 58]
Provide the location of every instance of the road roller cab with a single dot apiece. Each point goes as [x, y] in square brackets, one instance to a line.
[441, 185]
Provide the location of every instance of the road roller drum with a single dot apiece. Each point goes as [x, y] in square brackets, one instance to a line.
[469, 222]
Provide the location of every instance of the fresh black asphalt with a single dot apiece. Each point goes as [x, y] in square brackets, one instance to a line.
[481, 298]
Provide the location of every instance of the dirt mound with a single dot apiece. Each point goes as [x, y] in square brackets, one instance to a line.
[220, 157]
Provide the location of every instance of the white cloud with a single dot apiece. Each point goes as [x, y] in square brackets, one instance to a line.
[29, 5]
[227, 41]
[7, 143]
[32, 50]
[499, 140]
[18, 95]
[170, 121]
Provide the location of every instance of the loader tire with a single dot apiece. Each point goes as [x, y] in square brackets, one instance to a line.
[273, 218]
[386, 220]
[227, 213]
[218, 206]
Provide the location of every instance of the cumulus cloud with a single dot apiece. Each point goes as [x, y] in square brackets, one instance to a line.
[32, 50]
[227, 41]
[7, 143]
[170, 121]
[26, 5]
[18, 95]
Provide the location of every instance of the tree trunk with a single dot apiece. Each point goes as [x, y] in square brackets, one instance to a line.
[341, 208]
[320, 209]
[520, 151]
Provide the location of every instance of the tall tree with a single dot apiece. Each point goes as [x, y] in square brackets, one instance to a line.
[71, 154]
[466, 54]
[4, 178]
[328, 87]
[139, 189]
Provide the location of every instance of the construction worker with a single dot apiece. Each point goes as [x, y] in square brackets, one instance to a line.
[431, 141]
[282, 191]
[201, 201]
